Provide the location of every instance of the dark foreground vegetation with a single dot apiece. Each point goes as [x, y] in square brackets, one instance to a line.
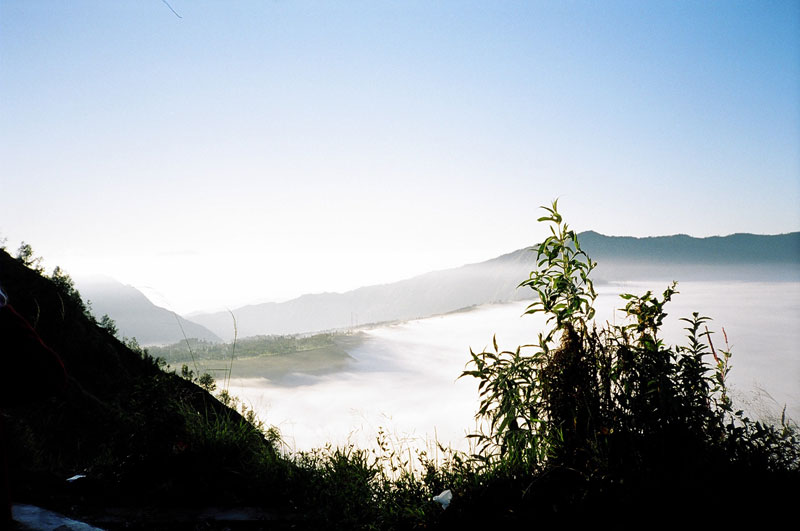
[603, 424]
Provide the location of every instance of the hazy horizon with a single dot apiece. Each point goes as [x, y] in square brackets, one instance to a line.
[403, 377]
[616, 261]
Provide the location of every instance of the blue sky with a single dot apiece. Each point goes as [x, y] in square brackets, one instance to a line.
[260, 150]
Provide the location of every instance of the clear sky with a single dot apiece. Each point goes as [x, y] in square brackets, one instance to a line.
[254, 151]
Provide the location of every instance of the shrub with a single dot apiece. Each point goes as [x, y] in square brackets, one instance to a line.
[26, 257]
[616, 403]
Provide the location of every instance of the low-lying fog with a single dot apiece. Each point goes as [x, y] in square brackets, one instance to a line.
[404, 377]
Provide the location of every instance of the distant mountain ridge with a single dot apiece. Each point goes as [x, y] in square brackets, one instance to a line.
[741, 248]
[620, 258]
[135, 316]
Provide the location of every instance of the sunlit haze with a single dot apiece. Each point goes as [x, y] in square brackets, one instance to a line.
[256, 151]
[403, 377]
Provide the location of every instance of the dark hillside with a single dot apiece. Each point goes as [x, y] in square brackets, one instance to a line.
[140, 435]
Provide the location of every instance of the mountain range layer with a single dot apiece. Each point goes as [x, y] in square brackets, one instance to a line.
[137, 317]
[745, 257]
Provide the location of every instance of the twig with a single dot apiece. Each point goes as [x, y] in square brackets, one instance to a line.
[233, 349]
[170, 8]
[713, 352]
[188, 345]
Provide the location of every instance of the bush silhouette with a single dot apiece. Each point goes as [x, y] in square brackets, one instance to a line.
[616, 405]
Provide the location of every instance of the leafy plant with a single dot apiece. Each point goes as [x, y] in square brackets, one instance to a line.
[561, 281]
[613, 402]
[533, 397]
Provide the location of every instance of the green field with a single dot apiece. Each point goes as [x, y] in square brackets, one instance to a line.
[271, 357]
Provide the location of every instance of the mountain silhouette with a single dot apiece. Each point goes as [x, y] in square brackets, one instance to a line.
[746, 257]
[135, 316]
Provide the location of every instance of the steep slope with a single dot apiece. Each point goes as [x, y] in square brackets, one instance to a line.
[680, 257]
[136, 316]
[139, 434]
